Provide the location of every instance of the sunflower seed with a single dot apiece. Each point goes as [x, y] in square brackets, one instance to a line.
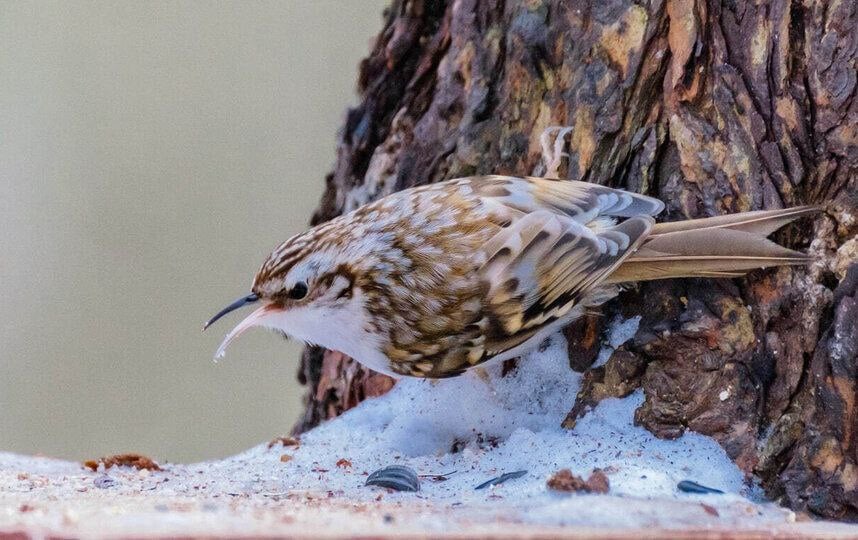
[398, 477]
[689, 486]
[501, 479]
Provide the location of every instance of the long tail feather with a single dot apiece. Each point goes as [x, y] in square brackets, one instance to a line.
[723, 246]
[760, 222]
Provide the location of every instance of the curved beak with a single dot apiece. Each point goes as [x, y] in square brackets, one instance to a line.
[240, 303]
[254, 319]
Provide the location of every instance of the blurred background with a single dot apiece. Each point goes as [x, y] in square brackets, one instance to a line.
[151, 155]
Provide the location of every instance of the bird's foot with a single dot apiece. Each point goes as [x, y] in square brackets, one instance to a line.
[553, 142]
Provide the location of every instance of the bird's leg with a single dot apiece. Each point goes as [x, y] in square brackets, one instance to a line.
[553, 141]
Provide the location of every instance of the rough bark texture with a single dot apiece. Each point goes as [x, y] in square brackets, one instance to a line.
[715, 107]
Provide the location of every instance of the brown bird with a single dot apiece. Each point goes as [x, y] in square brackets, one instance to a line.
[434, 280]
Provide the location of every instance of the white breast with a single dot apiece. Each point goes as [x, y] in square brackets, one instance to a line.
[343, 329]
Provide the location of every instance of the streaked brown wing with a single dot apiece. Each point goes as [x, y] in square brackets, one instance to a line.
[555, 244]
[557, 250]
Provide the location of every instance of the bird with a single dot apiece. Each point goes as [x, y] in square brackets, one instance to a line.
[435, 280]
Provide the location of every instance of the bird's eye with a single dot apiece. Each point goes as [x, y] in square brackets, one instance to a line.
[299, 291]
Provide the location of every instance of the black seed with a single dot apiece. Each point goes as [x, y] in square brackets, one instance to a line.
[398, 477]
[501, 479]
[689, 486]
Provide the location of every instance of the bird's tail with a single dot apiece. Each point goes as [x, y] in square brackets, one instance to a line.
[723, 246]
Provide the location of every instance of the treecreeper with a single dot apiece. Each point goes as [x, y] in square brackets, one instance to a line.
[433, 280]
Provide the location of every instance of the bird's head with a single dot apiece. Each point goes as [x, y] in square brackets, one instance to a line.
[302, 288]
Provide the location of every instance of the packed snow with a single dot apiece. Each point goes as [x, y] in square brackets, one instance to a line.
[455, 433]
[502, 425]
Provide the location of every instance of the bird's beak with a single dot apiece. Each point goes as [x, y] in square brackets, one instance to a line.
[254, 319]
[240, 303]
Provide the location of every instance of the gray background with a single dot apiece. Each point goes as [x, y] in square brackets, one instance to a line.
[151, 155]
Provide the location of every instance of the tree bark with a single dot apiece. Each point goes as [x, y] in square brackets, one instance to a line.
[714, 107]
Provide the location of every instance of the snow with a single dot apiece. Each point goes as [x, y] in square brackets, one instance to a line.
[619, 331]
[518, 419]
[470, 429]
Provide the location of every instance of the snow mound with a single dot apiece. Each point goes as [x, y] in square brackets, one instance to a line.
[483, 428]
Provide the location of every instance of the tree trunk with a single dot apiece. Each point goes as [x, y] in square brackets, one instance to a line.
[714, 107]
